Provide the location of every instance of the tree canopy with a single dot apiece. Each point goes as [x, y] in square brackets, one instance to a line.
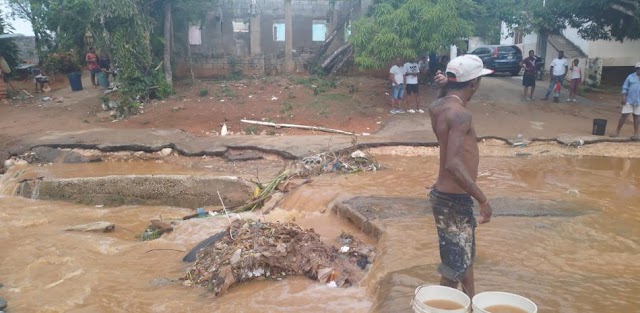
[396, 28]
[8, 48]
[594, 19]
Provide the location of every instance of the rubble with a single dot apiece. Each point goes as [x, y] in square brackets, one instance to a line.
[250, 250]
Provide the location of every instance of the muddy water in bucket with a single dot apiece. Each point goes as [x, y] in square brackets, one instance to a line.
[439, 299]
[579, 264]
[502, 302]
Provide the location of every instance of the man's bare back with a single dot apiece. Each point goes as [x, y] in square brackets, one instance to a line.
[453, 127]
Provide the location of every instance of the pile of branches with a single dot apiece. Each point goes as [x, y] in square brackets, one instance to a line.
[251, 249]
[349, 161]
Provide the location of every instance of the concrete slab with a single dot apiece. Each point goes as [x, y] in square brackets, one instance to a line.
[371, 213]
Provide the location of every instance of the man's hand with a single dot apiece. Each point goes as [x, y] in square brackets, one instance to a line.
[485, 212]
[440, 79]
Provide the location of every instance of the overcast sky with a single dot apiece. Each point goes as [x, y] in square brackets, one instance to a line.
[21, 26]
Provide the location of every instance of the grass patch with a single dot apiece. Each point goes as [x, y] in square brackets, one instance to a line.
[317, 83]
[333, 97]
[226, 92]
[286, 107]
[203, 92]
[253, 129]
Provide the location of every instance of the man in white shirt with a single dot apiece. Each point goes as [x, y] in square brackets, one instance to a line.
[559, 67]
[412, 70]
[397, 79]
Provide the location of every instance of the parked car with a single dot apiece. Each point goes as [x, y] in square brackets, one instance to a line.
[500, 58]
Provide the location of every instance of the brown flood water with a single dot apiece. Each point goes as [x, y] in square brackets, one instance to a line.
[589, 263]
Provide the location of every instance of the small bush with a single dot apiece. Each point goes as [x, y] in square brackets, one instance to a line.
[62, 63]
[203, 92]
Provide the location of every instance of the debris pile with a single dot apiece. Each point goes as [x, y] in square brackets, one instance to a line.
[344, 162]
[250, 250]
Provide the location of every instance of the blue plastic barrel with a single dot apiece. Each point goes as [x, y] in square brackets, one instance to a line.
[103, 80]
[75, 81]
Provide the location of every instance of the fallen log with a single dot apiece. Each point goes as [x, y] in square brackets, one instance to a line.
[318, 128]
[341, 62]
[334, 55]
[102, 226]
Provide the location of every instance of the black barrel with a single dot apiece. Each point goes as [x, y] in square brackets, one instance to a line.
[599, 127]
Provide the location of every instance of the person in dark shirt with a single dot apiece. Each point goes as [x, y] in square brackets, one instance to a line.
[105, 65]
[529, 76]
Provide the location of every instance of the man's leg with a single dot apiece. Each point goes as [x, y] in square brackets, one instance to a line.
[525, 92]
[533, 88]
[551, 85]
[623, 118]
[636, 124]
[468, 285]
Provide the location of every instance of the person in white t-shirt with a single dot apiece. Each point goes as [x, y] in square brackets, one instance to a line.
[397, 79]
[576, 80]
[412, 70]
[559, 67]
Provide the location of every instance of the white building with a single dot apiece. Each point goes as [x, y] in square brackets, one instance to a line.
[601, 60]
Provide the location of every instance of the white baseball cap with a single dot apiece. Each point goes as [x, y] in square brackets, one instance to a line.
[466, 68]
[638, 65]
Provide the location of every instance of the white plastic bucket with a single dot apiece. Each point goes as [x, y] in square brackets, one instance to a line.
[426, 293]
[487, 299]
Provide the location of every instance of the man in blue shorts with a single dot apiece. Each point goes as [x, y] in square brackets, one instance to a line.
[451, 196]
[397, 79]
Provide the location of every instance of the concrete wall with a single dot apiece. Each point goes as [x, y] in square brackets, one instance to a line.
[256, 51]
[27, 49]
[612, 53]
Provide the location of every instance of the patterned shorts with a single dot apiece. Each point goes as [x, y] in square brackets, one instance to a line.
[456, 225]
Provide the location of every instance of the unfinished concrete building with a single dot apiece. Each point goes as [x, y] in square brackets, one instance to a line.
[248, 36]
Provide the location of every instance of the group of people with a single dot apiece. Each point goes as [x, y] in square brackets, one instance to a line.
[559, 70]
[97, 64]
[405, 79]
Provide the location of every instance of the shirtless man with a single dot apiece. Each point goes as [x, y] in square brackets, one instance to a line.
[456, 185]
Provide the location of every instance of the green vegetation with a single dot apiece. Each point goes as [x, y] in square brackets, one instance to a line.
[407, 29]
[286, 107]
[226, 92]
[319, 84]
[8, 48]
[253, 129]
[203, 92]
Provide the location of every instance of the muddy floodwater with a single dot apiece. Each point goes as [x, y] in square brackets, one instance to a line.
[586, 263]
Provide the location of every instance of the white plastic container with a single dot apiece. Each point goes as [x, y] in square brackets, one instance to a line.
[487, 299]
[431, 292]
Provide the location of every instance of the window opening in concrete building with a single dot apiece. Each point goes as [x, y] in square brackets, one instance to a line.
[278, 31]
[195, 35]
[239, 26]
[347, 30]
[319, 30]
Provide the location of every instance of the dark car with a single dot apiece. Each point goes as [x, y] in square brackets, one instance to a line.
[500, 58]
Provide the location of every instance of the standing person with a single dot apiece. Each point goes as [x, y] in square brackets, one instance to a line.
[451, 196]
[396, 76]
[92, 64]
[529, 76]
[433, 67]
[630, 102]
[559, 68]
[412, 70]
[576, 80]
[423, 65]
